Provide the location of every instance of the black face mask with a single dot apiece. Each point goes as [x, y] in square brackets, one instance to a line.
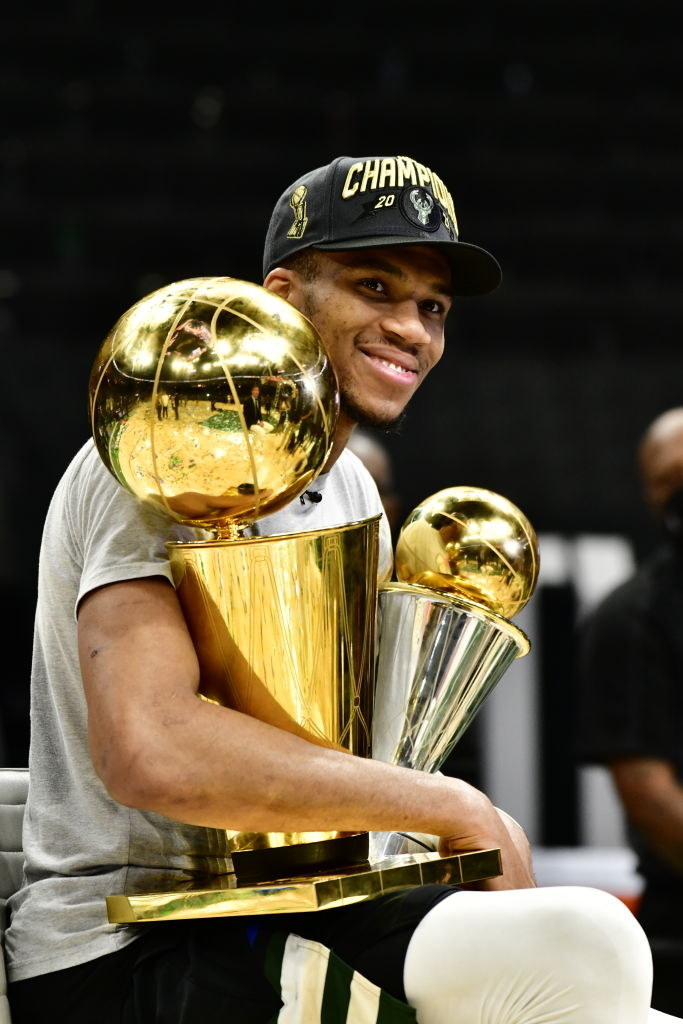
[672, 518]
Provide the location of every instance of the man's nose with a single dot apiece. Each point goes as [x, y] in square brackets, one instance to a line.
[405, 322]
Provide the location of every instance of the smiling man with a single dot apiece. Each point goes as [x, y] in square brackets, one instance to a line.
[368, 248]
[382, 316]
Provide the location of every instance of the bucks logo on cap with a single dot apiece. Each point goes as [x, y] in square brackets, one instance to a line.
[419, 207]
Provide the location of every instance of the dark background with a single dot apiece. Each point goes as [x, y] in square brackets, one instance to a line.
[143, 144]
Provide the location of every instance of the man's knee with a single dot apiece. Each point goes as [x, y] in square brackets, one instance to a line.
[577, 949]
[519, 838]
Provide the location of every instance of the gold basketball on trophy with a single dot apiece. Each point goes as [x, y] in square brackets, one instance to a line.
[214, 398]
[471, 542]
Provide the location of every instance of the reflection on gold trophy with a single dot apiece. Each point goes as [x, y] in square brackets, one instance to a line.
[214, 400]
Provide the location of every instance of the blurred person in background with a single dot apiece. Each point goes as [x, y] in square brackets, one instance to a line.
[631, 704]
[376, 458]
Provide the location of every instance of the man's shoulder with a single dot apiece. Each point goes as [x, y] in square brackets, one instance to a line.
[84, 464]
[350, 465]
[352, 475]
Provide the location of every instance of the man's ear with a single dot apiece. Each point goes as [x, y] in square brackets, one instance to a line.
[279, 281]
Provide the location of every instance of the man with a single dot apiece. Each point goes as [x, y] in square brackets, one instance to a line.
[129, 769]
[251, 407]
[632, 704]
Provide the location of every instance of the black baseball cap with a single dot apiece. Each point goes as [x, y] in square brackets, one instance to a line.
[367, 201]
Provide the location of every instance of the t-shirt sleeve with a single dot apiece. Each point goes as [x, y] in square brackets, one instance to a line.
[121, 537]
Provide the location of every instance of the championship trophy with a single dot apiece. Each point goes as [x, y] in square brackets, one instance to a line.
[213, 401]
[466, 563]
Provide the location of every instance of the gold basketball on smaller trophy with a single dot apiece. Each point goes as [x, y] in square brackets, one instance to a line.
[214, 399]
[471, 542]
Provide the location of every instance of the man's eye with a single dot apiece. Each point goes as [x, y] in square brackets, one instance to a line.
[432, 306]
[373, 284]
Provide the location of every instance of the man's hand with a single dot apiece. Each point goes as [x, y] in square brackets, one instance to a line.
[487, 827]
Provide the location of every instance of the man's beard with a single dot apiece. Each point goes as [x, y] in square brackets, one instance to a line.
[348, 405]
[363, 418]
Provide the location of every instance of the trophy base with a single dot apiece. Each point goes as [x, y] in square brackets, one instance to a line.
[223, 896]
[323, 857]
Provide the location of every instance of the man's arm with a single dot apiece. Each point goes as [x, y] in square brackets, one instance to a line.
[652, 797]
[157, 746]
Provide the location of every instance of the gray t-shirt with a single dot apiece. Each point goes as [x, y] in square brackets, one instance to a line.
[81, 845]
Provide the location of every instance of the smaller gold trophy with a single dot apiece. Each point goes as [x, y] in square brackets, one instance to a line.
[466, 563]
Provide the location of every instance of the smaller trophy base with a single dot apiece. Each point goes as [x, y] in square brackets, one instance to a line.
[224, 897]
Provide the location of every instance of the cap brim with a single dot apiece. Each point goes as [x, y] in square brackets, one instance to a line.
[475, 271]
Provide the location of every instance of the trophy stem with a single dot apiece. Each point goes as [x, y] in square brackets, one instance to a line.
[229, 532]
[439, 657]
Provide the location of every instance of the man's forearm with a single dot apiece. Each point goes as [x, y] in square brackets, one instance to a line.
[254, 777]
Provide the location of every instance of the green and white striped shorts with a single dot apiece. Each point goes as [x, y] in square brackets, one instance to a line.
[318, 987]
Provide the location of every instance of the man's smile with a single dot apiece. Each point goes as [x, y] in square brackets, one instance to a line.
[397, 366]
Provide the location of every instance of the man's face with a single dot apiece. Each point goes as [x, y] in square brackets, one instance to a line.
[381, 313]
[662, 467]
